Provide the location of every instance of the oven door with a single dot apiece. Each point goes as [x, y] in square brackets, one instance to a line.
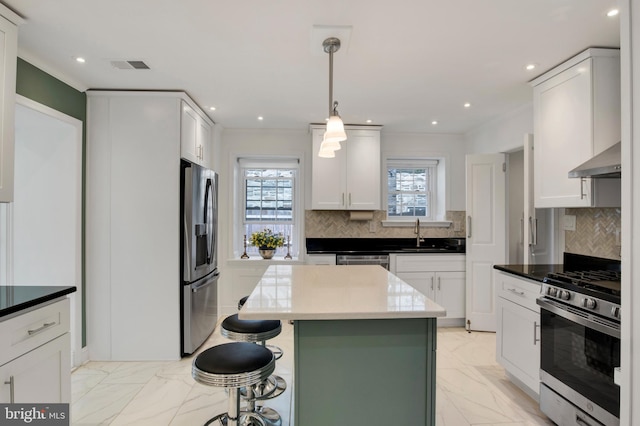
[578, 355]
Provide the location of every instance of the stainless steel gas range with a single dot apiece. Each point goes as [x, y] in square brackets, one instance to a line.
[580, 343]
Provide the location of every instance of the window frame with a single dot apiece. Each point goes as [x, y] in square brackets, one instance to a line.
[240, 222]
[440, 193]
[430, 190]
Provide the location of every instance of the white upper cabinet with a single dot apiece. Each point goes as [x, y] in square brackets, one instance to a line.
[576, 115]
[8, 60]
[351, 180]
[196, 136]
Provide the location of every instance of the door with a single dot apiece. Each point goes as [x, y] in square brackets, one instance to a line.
[486, 236]
[538, 224]
[200, 224]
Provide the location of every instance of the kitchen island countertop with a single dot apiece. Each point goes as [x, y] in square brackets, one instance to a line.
[325, 292]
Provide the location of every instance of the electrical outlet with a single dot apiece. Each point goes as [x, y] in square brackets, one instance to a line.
[569, 223]
[372, 226]
[457, 226]
[618, 242]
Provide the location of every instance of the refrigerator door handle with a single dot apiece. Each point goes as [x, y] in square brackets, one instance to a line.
[207, 200]
[207, 283]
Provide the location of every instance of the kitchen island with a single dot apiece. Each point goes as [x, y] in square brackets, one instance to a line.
[364, 342]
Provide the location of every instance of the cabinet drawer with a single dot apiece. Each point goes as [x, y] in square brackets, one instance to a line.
[429, 262]
[522, 291]
[25, 332]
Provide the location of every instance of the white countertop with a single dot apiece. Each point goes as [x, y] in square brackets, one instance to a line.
[307, 292]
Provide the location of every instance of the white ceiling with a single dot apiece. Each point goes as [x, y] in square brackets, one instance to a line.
[406, 62]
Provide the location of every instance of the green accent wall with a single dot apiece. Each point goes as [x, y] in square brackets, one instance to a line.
[37, 85]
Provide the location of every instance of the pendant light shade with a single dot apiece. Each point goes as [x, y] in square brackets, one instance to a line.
[335, 128]
[335, 131]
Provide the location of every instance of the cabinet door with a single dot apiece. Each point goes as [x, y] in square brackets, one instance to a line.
[204, 143]
[564, 137]
[450, 293]
[189, 128]
[424, 282]
[8, 55]
[40, 376]
[518, 348]
[328, 181]
[363, 169]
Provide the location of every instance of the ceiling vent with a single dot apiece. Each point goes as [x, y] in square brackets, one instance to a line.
[130, 65]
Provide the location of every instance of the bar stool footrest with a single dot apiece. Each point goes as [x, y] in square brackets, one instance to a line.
[269, 388]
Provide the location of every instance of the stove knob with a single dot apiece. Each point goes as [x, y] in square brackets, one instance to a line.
[564, 294]
[551, 291]
[615, 312]
[589, 303]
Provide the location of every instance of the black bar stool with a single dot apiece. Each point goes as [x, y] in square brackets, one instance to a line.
[257, 331]
[233, 366]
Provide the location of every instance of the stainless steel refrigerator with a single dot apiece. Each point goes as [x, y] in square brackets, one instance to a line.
[199, 266]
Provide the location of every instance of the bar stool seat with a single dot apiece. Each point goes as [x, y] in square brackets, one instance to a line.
[232, 366]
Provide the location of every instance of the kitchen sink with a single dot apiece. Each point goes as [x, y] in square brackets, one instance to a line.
[425, 249]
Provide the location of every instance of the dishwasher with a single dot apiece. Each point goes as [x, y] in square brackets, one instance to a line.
[363, 259]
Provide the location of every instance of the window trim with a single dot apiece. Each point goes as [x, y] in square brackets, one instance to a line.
[263, 161]
[443, 185]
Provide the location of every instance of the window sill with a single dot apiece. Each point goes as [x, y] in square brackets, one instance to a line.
[411, 224]
[256, 259]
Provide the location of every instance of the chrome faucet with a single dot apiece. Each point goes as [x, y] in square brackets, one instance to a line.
[417, 232]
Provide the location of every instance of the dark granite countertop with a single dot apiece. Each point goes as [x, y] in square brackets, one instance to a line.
[383, 245]
[16, 298]
[533, 272]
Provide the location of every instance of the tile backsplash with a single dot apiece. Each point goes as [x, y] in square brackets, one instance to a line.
[595, 234]
[337, 224]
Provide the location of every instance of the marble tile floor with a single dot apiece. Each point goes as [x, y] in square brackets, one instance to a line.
[471, 388]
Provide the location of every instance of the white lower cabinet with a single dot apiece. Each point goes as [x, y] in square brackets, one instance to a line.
[35, 364]
[518, 331]
[441, 278]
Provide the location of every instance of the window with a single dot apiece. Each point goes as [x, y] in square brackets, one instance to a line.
[411, 189]
[269, 199]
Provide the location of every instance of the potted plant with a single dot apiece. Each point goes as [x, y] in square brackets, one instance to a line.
[267, 242]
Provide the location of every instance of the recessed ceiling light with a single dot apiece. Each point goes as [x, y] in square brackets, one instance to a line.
[260, 118]
[368, 121]
[212, 108]
[530, 67]
[80, 59]
[612, 13]
[434, 122]
[467, 105]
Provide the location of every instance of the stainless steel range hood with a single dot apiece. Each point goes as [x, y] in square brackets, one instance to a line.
[604, 165]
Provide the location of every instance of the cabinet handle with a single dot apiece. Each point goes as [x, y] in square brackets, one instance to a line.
[468, 226]
[582, 421]
[349, 199]
[535, 332]
[39, 329]
[439, 283]
[514, 291]
[582, 193]
[11, 382]
[343, 200]
[431, 283]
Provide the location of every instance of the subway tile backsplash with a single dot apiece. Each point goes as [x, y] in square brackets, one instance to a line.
[595, 234]
[337, 224]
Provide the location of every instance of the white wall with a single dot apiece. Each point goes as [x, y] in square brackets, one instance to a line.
[503, 134]
[450, 146]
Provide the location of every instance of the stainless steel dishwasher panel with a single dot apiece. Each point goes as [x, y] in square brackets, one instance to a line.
[363, 259]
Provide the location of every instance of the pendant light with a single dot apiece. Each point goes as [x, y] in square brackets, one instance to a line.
[335, 128]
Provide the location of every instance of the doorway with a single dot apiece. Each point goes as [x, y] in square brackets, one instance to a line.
[43, 242]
